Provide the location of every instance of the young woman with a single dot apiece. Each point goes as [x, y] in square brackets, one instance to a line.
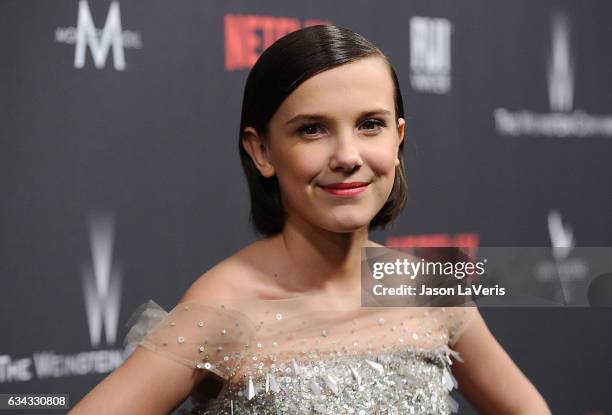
[277, 327]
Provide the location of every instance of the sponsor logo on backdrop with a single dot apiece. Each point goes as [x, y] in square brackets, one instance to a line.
[470, 240]
[101, 279]
[563, 120]
[430, 54]
[561, 236]
[247, 36]
[564, 268]
[99, 41]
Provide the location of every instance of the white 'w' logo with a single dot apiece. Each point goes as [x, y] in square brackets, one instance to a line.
[102, 281]
[560, 67]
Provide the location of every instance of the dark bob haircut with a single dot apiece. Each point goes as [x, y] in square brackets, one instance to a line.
[280, 69]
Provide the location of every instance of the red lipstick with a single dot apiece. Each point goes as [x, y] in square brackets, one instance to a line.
[346, 188]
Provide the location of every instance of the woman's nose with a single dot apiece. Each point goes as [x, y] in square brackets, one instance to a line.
[346, 154]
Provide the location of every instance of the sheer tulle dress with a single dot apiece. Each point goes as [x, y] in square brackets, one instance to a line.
[310, 355]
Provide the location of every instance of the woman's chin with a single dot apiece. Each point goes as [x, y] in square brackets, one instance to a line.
[348, 225]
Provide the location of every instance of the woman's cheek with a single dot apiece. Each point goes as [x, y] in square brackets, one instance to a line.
[307, 165]
[294, 176]
[383, 161]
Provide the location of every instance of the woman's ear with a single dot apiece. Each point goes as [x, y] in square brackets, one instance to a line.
[258, 150]
[401, 124]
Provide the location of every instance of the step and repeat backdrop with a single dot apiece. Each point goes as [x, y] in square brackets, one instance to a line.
[120, 177]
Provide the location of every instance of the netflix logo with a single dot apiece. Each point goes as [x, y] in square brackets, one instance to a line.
[247, 36]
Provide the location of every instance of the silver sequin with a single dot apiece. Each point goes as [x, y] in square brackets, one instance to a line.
[396, 382]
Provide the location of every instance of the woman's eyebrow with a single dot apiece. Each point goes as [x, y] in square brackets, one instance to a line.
[321, 117]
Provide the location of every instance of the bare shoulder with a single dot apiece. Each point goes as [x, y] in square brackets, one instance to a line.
[148, 382]
[239, 274]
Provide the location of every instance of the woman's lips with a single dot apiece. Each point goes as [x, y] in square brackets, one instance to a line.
[345, 189]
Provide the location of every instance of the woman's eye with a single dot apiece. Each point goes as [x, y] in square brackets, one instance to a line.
[315, 129]
[373, 124]
[309, 129]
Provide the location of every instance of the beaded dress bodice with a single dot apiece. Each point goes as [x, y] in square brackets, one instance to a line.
[303, 356]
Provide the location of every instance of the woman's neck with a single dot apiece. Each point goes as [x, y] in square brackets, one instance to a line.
[318, 261]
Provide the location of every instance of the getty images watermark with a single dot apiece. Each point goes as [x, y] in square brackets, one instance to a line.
[486, 276]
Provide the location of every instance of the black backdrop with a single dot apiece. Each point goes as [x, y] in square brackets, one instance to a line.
[120, 178]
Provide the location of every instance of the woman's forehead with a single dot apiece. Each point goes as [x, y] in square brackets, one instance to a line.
[361, 86]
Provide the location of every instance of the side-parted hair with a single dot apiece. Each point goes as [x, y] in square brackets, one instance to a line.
[280, 69]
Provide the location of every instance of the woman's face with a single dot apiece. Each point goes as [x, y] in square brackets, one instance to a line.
[338, 128]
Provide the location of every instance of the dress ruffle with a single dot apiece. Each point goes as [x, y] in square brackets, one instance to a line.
[144, 319]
